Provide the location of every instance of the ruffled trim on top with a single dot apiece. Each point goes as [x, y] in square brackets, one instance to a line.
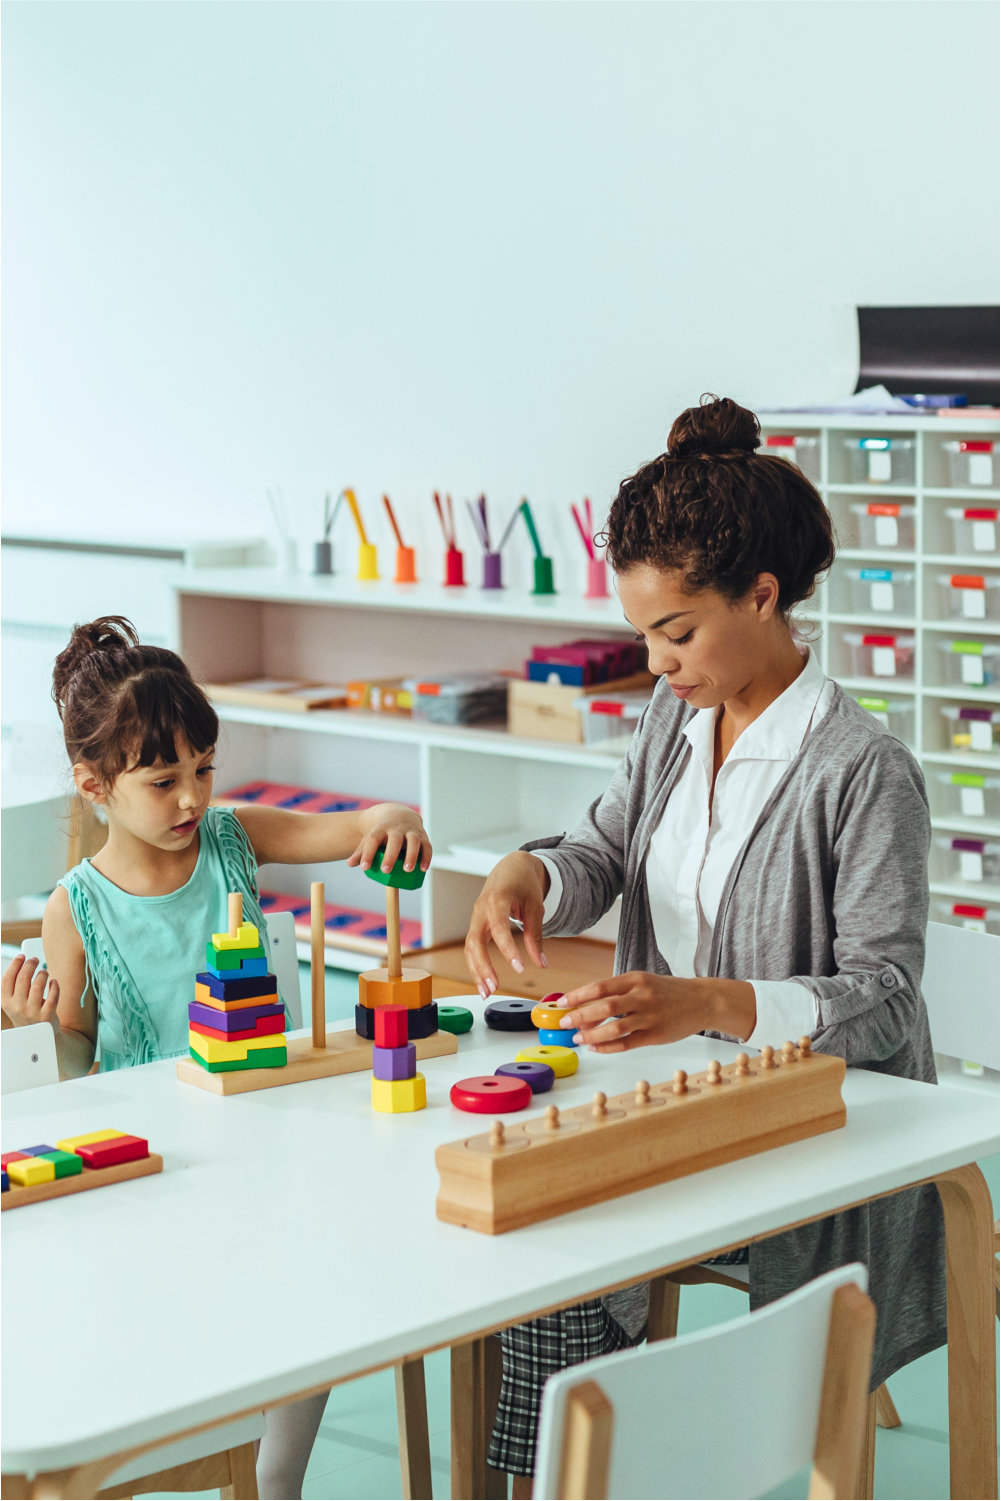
[110, 982]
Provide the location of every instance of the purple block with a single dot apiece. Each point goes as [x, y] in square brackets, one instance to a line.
[36, 1151]
[240, 1020]
[538, 1076]
[395, 1063]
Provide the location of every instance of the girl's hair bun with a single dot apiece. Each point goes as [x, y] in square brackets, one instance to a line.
[715, 426]
[108, 633]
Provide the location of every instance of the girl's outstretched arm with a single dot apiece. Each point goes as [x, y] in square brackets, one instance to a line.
[286, 838]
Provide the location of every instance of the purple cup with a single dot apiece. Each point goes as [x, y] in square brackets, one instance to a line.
[492, 571]
[538, 1076]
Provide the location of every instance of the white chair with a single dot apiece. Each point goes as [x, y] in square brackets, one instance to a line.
[730, 1411]
[285, 963]
[962, 990]
[28, 1058]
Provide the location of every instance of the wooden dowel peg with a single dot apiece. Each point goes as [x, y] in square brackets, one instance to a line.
[789, 1052]
[768, 1057]
[742, 1069]
[680, 1085]
[552, 1118]
[497, 1136]
[234, 912]
[713, 1074]
[394, 961]
[806, 1051]
[599, 1106]
[317, 976]
[642, 1095]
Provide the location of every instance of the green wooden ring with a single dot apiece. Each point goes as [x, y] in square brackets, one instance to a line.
[454, 1019]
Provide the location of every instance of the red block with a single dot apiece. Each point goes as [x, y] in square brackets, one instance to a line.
[266, 1027]
[110, 1153]
[13, 1157]
[391, 1026]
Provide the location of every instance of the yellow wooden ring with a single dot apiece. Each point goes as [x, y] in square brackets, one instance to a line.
[562, 1061]
[548, 1018]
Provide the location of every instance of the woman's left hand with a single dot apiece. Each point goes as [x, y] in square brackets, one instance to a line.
[638, 1009]
[397, 830]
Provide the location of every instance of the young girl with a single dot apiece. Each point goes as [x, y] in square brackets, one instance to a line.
[123, 932]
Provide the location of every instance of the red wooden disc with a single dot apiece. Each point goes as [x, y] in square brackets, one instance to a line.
[490, 1094]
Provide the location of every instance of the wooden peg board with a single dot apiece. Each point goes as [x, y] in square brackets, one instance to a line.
[537, 1172]
[33, 1193]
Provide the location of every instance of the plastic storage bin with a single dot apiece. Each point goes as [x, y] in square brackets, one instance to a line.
[968, 859]
[973, 463]
[895, 714]
[971, 728]
[968, 915]
[609, 722]
[881, 654]
[969, 794]
[802, 449]
[885, 526]
[968, 596]
[881, 461]
[974, 663]
[879, 591]
[974, 528]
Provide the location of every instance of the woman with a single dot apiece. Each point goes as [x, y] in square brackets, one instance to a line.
[770, 844]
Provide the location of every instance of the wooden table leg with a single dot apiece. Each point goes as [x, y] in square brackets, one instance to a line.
[476, 1379]
[412, 1422]
[969, 1229]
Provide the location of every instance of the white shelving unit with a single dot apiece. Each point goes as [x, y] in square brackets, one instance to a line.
[928, 691]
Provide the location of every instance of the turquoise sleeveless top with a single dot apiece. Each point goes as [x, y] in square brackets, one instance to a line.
[142, 952]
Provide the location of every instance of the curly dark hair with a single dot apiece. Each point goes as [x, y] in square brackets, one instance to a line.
[123, 704]
[721, 513]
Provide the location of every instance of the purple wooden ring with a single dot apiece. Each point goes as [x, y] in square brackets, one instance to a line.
[538, 1076]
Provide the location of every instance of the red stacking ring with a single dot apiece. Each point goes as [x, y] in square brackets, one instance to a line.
[490, 1094]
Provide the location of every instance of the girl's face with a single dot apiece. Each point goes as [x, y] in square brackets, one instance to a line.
[162, 805]
[709, 648]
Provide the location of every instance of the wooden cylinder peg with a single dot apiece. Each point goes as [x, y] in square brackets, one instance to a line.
[768, 1058]
[552, 1118]
[394, 960]
[713, 1075]
[234, 912]
[680, 1085]
[642, 1092]
[742, 1069]
[599, 1106]
[788, 1052]
[317, 974]
[805, 1048]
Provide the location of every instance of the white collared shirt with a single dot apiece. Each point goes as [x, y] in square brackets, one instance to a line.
[690, 856]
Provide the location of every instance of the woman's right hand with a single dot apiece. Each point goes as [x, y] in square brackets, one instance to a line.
[22, 993]
[515, 888]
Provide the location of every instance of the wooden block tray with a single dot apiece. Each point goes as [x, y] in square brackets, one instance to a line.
[547, 1165]
[79, 1183]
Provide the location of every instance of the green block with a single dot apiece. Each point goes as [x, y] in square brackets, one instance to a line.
[260, 1058]
[67, 1163]
[406, 880]
[229, 958]
[454, 1019]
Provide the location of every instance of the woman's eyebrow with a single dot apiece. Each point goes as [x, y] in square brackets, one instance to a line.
[665, 618]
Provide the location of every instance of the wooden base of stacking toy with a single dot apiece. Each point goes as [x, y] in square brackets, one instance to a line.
[521, 1173]
[345, 1053]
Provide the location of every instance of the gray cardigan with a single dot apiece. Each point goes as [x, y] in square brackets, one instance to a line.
[830, 889]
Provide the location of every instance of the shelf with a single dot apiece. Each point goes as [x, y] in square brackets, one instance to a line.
[870, 422]
[896, 492]
[962, 627]
[881, 686]
[969, 694]
[872, 624]
[946, 492]
[980, 828]
[887, 555]
[982, 896]
[960, 760]
[961, 559]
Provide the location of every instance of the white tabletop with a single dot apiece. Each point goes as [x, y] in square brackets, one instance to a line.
[292, 1240]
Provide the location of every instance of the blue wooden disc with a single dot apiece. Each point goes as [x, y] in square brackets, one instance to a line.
[538, 1076]
[561, 1037]
[510, 1016]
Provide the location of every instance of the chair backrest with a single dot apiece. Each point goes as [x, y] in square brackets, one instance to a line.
[28, 1058]
[728, 1411]
[961, 985]
[285, 962]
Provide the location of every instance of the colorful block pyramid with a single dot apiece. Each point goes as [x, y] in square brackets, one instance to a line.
[236, 1020]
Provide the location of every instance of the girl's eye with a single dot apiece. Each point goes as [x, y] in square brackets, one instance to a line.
[203, 771]
[161, 786]
[680, 640]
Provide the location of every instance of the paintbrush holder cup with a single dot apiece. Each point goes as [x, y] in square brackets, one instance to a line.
[406, 566]
[368, 562]
[543, 572]
[454, 571]
[323, 557]
[492, 571]
[597, 579]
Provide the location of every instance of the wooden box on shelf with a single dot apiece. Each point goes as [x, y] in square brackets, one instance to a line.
[292, 694]
[546, 711]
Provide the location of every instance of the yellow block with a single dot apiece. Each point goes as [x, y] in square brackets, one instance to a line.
[70, 1143]
[214, 1051]
[562, 1061]
[31, 1170]
[396, 1096]
[247, 937]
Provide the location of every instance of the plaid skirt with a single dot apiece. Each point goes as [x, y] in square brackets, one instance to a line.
[536, 1350]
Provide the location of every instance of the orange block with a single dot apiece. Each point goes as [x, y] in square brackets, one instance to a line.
[206, 998]
[411, 989]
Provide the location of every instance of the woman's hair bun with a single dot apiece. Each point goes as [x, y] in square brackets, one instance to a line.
[108, 633]
[716, 426]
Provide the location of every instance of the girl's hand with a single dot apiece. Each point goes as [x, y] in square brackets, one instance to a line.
[22, 993]
[515, 888]
[397, 828]
[637, 1009]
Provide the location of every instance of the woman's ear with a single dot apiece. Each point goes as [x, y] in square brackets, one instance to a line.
[765, 594]
[88, 783]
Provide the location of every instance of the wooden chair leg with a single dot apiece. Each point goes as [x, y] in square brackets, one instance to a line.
[662, 1320]
[587, 1444]
[842, 1454]
[242, 1475]
[412, 1423]
[476, 1379]
[887, 1415]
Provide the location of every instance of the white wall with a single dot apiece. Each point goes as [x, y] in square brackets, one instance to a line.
[480, 245]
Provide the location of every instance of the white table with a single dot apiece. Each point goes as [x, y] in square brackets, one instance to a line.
[291, 1242]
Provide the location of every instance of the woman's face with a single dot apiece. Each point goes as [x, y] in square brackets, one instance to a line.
[708, 647]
